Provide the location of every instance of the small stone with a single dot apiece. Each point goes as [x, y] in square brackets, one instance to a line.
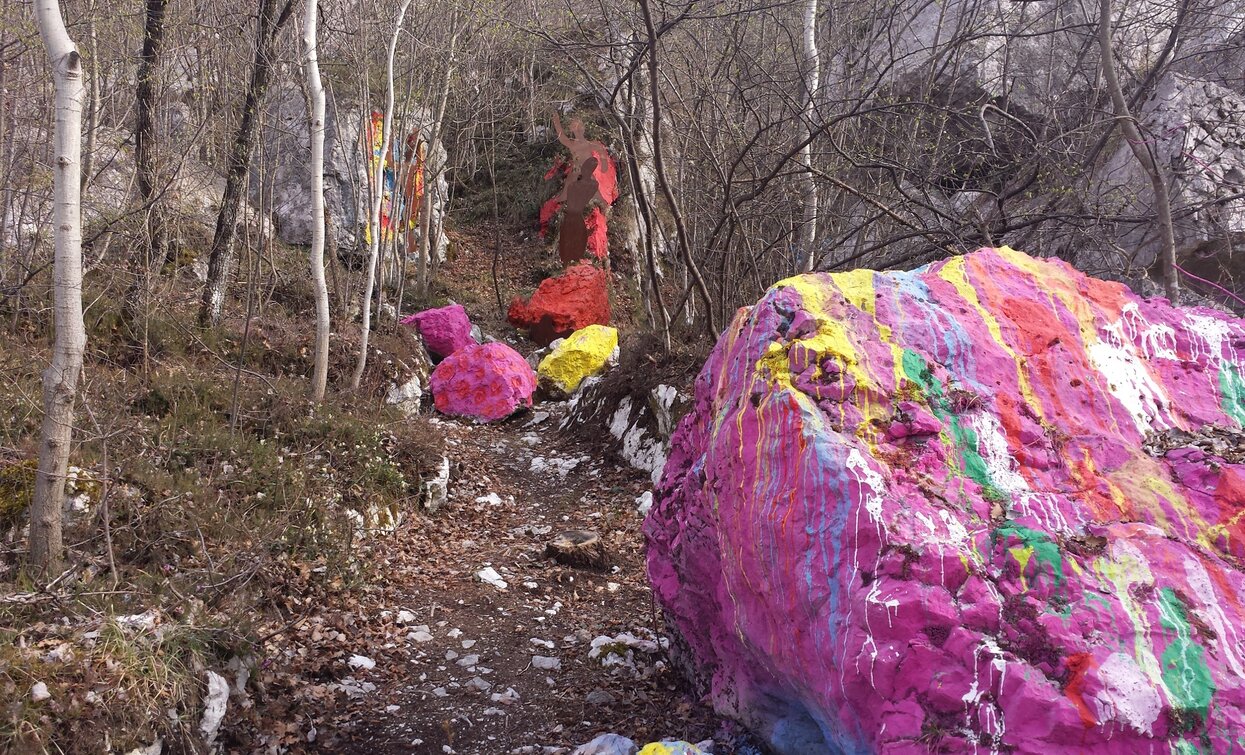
[39, 692]
[405, 617]
[509, 697]
[607, 744]
[546, 663]
[468, 660]
[599, 697]
[489, 575]
[420, 636]
[468, 644]
[440, 692]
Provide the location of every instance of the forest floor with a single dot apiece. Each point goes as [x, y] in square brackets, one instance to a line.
[216, 545]
[468, 666]
[478, 668]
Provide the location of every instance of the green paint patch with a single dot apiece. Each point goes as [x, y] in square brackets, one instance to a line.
[1185, 672]
[972, 464]
[917, 370]
[1231, 390]
[1036, 545]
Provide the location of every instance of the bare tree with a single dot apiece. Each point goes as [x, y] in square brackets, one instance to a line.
[807, 238]
[1141, 150]
[220, 262]
[60, 380]
[663, 180]
[378, 184]
[154, 251]
[315, 96]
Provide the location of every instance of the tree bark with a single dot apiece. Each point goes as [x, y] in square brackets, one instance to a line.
[1158, 182]
[431, 177]
[659, 164]
[378, 190]
[92, 106]
[220, 262]
[60, 380]
[155, 251]
[807, 237]
[315, 94]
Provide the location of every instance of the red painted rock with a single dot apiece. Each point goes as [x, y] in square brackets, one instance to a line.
[488, 382]
[575, 299]
[445, 329]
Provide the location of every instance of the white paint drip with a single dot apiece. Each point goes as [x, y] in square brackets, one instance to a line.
[1211, 611]
[872, 486]
[1157, 340]
[992, 444]
[1213, 333]
[1127, 379]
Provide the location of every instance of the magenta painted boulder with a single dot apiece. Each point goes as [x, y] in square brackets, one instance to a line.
[990, 505]
[487, 382]
[445, 329]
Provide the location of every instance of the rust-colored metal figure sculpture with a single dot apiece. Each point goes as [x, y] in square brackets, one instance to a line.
[581, 148]
[580, 190]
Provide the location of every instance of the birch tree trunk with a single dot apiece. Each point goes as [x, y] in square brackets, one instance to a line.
[807, 237]
[1141, 150]
[220, 262]
[60, 380]
[315, 98]
[432, 176]
[378, 187]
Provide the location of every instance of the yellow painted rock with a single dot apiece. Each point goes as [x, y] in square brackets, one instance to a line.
[671, 748]
[581, 355]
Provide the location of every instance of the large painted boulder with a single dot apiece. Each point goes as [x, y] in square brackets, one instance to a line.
[445, 329]
[564, 304]
[484, 381]
[582, 355]
[990, 505]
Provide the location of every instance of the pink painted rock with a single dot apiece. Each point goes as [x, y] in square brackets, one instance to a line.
[445, 329]
[1046, 560]
[485, 381]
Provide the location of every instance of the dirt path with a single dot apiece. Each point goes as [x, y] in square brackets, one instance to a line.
[466, 666]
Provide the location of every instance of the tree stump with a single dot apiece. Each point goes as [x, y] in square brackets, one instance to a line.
[578, 548]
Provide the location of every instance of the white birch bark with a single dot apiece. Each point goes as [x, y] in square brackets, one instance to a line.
[60, 380]
[315, 99]
[432, 176]
[807, 237]
[378, 186]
